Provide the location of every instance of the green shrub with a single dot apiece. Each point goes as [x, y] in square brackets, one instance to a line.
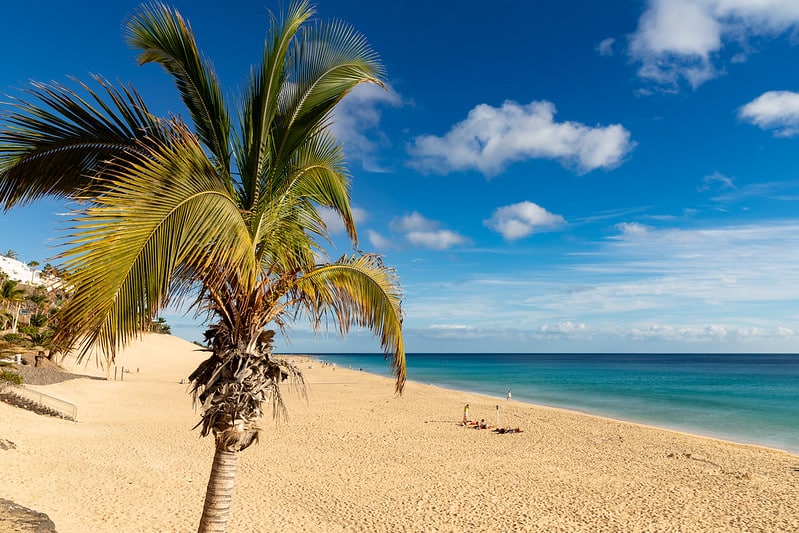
[11, 337]
[13, 377]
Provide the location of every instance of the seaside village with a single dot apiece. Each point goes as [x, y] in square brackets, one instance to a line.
[31, 295]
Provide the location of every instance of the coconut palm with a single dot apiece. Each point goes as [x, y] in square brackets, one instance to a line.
[225, 214]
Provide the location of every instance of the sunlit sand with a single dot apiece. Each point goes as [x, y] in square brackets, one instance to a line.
[355, 457]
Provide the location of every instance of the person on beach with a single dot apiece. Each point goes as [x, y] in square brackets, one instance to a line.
[466, 414]
[509, 395]
[508, 430]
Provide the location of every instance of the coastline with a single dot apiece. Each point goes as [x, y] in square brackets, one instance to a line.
[355, 457]
[733, 419]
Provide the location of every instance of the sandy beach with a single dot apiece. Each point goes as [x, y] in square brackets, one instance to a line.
[355, 457]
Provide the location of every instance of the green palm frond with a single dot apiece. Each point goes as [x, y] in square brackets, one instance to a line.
[327, 61]
[361, 291]
[321, 176]
[165, 224]
[163, 37]
[57, 142]
[317, 177]
[262, 103]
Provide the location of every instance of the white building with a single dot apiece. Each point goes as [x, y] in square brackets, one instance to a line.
[17, 270]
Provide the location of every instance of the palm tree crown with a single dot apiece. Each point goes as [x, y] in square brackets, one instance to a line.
[225, 213]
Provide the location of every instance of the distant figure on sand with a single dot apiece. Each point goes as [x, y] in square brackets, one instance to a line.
[465, 414]
[508, 430]
[509, 395]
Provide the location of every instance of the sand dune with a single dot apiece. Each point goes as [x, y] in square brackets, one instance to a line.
[354, 457]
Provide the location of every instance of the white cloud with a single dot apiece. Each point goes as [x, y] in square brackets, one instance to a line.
[631, 230]
[420, 231]
[567, 328]
[520, 220]
[490, 138]
[356, 122]
[774, 110]
[436, 240]
[334, 222]
[711, 333]
[679, 40]
[413, 222]
[605, 48]
[717, 181]
[378, 241]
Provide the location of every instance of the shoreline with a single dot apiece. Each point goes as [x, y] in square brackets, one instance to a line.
[572, 410]
[741, 439]
[356, 457]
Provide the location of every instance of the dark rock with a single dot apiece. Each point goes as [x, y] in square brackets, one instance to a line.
[15, 518]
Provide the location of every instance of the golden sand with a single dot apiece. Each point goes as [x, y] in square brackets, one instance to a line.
[355, 457]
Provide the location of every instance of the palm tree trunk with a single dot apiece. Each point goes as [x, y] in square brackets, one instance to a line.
[219, 491]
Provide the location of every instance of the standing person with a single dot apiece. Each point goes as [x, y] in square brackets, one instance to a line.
[465, 414]
[509, 395]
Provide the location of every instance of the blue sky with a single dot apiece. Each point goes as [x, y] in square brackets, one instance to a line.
[580, 176]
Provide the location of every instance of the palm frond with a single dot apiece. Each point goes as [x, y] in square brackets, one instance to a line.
[262, 102]
[57, 141]
[163, 37]
[319, 174]
[327, 61]
[165, 223]
[361, 291]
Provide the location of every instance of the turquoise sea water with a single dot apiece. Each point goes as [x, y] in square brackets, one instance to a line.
[748, 398]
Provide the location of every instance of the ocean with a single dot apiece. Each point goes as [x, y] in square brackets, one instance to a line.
[746, 398]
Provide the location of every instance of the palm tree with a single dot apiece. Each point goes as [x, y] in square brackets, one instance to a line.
[226, 214]
[32, 265]
[11, 254]
[6, 318]
[11, 293]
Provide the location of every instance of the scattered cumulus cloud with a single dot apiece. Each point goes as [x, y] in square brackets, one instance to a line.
[413, 222]
[420, 231]
[562, 329]
[356, 122]
[436, 240]
[490, 138]
[378, 241]
[710, 333]
[680, 40]
[605, 48]
[516, 221]
[649, 288]
[774, 110]
[631, 230]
